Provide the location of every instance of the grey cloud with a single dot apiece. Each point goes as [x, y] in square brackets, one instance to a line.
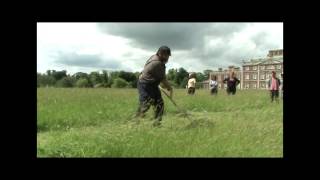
[191, 37]
[263, 41]
[178, 36]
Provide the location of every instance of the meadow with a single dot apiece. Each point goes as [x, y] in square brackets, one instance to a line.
[97, 122]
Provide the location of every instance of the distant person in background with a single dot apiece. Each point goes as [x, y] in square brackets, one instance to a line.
[192, 84]
[281, 86]
[232, 83]
[214, 85]
[274, 84]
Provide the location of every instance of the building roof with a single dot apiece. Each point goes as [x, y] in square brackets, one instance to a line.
[268, 60]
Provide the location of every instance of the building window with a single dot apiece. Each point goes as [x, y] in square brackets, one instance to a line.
[254, 76]
[254, 86]
[247, 86]
[262, 76]
[271, 67]
[247, 68]
[268, 75]
[247, 76]
[254, 68]
[262, 67]
[262, 85]
[279, 66]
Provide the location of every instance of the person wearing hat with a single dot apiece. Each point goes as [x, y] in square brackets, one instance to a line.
[153, 75]
[273, 85]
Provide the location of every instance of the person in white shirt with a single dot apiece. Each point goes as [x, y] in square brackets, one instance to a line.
[281, 86]
[213, 85]
[192, 84]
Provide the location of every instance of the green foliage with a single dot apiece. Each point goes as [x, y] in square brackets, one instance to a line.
[172, 73]
[65, 82]
[45, 81]
[200, 77]
[58, 75]
[180, 76]
[94, 78]
[82, 82]
[184, 82]
[206, 73]
[119, 83]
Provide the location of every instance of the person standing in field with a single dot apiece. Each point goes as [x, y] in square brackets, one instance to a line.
[192, 84]
[214, 86]
[274, 84]
[281, 86]
[150, 78]
[232, 83]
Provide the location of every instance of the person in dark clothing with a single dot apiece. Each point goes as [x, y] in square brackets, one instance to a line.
[232, 83]
[150, 78]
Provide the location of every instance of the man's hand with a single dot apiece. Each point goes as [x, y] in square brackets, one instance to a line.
[165, 84]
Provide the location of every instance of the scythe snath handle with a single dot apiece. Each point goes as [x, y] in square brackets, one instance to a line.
[174, 103]
[168, 96]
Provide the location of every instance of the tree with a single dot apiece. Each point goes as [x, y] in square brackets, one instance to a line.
[184, 82]
[104, 78]
[181, 74]
[134, 82]
[49, 72]
[94, 78]
[82, 82]
[113, 76]
[200, 77]
[130, 77]
[44, 80]
[207, 73]
[171, 74]
[119, 83]
[79, 75]
[59, 74]
[65, 82]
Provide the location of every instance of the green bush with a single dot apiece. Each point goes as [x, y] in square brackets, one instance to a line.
[99, 85]
[119, 83]
[64, 82]
[82, 82]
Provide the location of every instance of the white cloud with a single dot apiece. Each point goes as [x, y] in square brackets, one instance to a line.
[85, 47]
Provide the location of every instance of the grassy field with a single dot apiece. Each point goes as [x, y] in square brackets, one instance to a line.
[97, 123]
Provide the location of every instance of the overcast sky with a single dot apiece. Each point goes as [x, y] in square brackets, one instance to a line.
[87, 47]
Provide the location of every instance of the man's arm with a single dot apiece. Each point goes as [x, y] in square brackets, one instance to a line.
[238, 81]
[165, 84]
[225, 80]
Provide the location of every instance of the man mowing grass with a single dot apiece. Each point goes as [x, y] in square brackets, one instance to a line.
[152, 75]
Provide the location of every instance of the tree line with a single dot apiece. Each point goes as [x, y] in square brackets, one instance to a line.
[178, 78]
